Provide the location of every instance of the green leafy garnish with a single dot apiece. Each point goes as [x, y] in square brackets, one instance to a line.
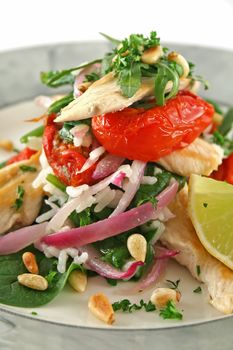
[227, 123]
[56, 182]
[126, 306]
[205, 205]
[170, 312]
[174, 284]
[165, 74]
[109, 38]
[216, 106]
[130, 79]
[55, 79]
[27, 168]
[59, 104]
[3, 164]
[91, 77]
[38, 132]
[198, 269]
[19, 200]
[65, 133]
[34, 313]
[197, 290]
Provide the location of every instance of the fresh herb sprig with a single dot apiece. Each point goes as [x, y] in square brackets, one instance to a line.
[171, 312]
[27, 168]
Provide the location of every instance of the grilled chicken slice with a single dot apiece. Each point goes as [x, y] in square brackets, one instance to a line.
[105, 96]
[180, 235]
[200, 158]
[11, 177]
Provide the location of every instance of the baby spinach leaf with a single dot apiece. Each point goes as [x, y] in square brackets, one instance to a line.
[12, 293]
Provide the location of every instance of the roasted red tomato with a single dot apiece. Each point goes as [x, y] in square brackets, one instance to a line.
[225, 171]
[148, 135]
[23, 155]
[64, 158]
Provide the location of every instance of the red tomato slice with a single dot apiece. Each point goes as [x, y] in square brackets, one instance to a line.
[148, 135]
[225, 171]
[23, 155]
[64, 158]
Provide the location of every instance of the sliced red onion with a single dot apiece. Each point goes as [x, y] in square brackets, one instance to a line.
[154, 274]
[14, 241]
[106, 166]
[81, 76]
[94, 263]
[161, 258]
[132, 186]
[163, 253]
[119, 179]
[111, 226]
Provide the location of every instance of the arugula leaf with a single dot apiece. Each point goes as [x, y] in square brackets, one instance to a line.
[65, 133]
[130, 80]
[19, 200]
[58, 105]
[55, 79]
[38, 132]
[111, 39]
[56, 182]
[170, 312]
[3, 164]
[164, 75]
[227, 123]
[12, 293]
[216, 106]
[27, 168]
[91, 77]
[126, 306]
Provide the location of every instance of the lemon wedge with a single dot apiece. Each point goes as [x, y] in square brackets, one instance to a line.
[210, 208]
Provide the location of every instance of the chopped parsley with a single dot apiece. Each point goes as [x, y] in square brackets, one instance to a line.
[27, 168]
[205, 205]
[170, 312]
[198, 269]
[56, 182]
[34, 313]
[174, 284]
[19, 199]
[198, 290]
[126, 306]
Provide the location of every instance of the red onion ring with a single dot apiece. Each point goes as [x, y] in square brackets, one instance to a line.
[107, 166]
[111, 226]
[14, 241]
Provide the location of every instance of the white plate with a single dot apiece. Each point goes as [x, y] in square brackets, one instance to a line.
[70, 308]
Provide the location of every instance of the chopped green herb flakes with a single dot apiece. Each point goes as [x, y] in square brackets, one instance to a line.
[174, 284]
[198, 269]
[205, 205]
[19, 200]
[170, 312]
[27, 168]
[126, 306]
[198, 290]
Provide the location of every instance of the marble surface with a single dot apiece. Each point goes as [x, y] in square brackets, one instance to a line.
[19, 81]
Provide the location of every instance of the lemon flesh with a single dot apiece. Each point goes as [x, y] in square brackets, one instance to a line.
[210, 208]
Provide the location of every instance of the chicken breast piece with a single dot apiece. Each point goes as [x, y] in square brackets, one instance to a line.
[180, 235]
[105, 96]
[11, 177]
[200, 158]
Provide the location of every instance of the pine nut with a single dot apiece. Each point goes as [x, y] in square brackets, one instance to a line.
[101, 307]
[33, 281]
[30, 263]
[78, 281]
[217, 119]
[179, 59]
[152, 55]
[137, 246]
[161, 296]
